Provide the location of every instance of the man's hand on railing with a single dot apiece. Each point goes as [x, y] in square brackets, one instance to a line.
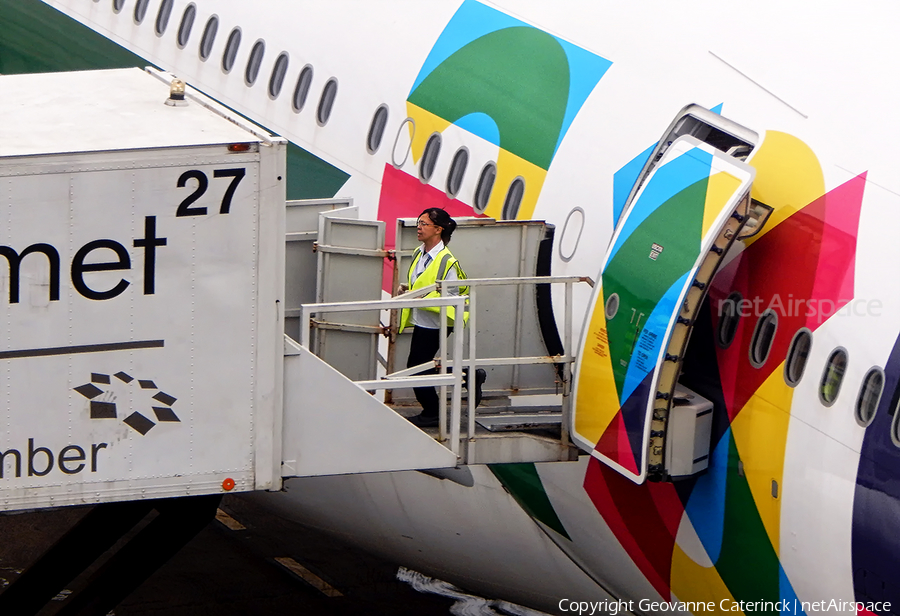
[403, 289]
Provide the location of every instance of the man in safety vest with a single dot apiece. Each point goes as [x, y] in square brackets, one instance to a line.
[432, 261]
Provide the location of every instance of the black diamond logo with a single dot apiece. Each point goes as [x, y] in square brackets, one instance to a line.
[89, 391]
[105, 408]
[165, 398]
[139, 423]
[164, 413]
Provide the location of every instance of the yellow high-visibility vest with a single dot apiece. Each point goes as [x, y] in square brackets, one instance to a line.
[436, 270]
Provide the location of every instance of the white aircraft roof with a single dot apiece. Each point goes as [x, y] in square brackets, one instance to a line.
[89, 111]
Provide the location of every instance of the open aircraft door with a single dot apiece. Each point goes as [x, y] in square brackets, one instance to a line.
[666, 248]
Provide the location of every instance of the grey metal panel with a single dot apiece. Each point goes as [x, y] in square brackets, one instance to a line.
[345, 277]
[531, 343]
[303, 214]
[302, 227]
[350, 353]
[507, 318]
[349, 277]
[299, 282]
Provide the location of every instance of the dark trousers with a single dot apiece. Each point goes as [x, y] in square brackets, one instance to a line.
[423, 347]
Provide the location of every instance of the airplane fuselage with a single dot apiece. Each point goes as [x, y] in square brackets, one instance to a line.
[556, 108]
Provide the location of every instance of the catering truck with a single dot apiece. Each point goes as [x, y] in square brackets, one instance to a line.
[141, 275]
[144, 245]
[154, 355]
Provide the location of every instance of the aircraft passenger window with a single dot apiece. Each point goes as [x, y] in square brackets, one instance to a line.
[376, 129]
[140, 10]
[612, 306]
[833, 376]
[231, 49]
[429, 157]
[162, 17]
[301, 90]
[484, 187]
[209, 37]
[254, 62]
[279, 70]
[457, 171]
[798, 354]
[571, 234]
[513, 199]
[117, 5]
[763, 337]
[729, 317]
[869, 396]
[895, 426]
[326, 102]
[187, 22]
[403, 142]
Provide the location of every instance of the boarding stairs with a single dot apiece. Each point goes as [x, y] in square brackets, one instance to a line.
[343, 393]
[346, 335]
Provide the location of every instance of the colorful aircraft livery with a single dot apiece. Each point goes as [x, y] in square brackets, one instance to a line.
[800, 496]
[508, 83]
[663, 239]
[719, 535]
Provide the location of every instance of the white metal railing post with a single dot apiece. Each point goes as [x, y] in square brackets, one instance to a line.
[473, 379]
[442, 400]
[456, 405]
[569, 351]
[305, 327]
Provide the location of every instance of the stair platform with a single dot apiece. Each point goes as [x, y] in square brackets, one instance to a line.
[508, 435]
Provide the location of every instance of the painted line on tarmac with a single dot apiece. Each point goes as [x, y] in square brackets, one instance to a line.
[308, 576]
[228, 522]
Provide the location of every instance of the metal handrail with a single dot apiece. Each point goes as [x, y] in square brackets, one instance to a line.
[416, 299]
[472, 362]
[476, 282]
[408, 300]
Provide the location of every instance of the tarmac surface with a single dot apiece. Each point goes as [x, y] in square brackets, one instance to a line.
[247, 562]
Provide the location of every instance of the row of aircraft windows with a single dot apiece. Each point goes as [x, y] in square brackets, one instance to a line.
[229, 55]
[485, 184]
[832, 378]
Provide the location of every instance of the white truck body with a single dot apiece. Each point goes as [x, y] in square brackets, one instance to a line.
[141, 278]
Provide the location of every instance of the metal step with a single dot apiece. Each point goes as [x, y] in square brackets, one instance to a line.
[519, 421]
